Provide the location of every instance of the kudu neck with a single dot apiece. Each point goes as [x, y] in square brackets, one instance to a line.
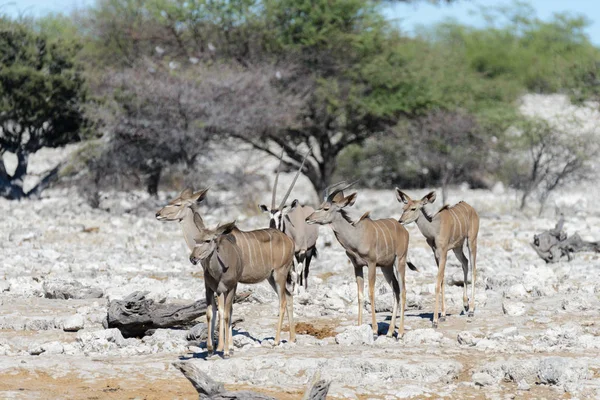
[346, 232]
[189, 227]
[425, 224]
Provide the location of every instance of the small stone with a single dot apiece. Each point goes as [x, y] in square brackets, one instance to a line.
[73, 323]
[513, 309]
[423, 336]
[467, 338]
[52, 348]
[483, 379]
[523, 385]
[241, 340]
[35, 349]
[356, 335]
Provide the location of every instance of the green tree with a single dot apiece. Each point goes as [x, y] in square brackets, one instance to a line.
[41, 96]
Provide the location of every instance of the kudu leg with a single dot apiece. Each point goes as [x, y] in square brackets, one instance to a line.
[360, 287]
[222, 337]
[290, 313]
[280, 293]
[210, 319]
[458, 252]
[473, 256]
[388, 274]
[402, 273]
[228, 307]
[372, 276]
[442, 255]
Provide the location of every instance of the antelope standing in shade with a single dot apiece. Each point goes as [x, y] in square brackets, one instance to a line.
[447, 230]
[372, 243]
[267, 254]
[291, 221]
[221, 260]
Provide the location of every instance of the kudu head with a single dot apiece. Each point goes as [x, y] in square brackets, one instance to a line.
[177, 208]
[207, 242]
[335, 202]
[278, 213]
[412, 208]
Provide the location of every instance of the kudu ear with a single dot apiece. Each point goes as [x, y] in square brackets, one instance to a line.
[338, 198]
[402, 197]
[225, 229]
[199, 195]
[263, 208]
[350, 200]
[187, 193]
[428, 198]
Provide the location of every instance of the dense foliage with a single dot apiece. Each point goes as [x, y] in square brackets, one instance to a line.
[41, 96]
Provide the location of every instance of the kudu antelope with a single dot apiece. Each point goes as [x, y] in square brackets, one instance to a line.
[372, 243]
[222, 263]
[447, 230]
[291, 221]
[267, 254]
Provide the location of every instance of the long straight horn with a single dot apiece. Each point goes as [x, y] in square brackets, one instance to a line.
[276, 179]
[295, 178]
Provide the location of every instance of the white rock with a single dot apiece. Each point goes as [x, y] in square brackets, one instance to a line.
[52, 348]
[355, 336]
[576, 303]
[467, 338]
[422, 336]
[73, 323]
[483, 379]
[241, 340]
[523, 385]
[514, 309]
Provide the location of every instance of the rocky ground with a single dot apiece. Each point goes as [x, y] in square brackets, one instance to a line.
[535, 333]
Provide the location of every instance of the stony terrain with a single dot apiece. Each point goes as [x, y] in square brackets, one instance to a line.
[535, 334]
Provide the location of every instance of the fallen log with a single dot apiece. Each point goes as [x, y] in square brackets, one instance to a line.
[135, 315]
[554, 245]
[207, 388]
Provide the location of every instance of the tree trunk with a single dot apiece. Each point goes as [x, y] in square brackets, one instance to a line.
[553, 244]
[11, 187]
[135, 314]
[153, 181]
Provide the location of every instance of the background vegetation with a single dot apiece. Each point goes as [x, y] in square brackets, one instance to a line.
[151, 83]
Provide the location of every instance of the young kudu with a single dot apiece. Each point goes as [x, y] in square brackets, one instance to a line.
[291, 221]
[222, 263]
[372, 243]
[267, 254]
[447, 230]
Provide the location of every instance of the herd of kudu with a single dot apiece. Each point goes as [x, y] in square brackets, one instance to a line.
[230, 256]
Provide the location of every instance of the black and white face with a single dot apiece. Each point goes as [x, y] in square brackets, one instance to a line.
[276, 216]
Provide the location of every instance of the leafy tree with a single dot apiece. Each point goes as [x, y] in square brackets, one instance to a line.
[41, 95]
[545, 158]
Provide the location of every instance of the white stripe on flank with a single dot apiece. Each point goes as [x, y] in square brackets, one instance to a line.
[271, 245]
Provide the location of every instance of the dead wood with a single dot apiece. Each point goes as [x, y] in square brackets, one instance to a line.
[135, 315]
[553, 245]
[207, 388]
